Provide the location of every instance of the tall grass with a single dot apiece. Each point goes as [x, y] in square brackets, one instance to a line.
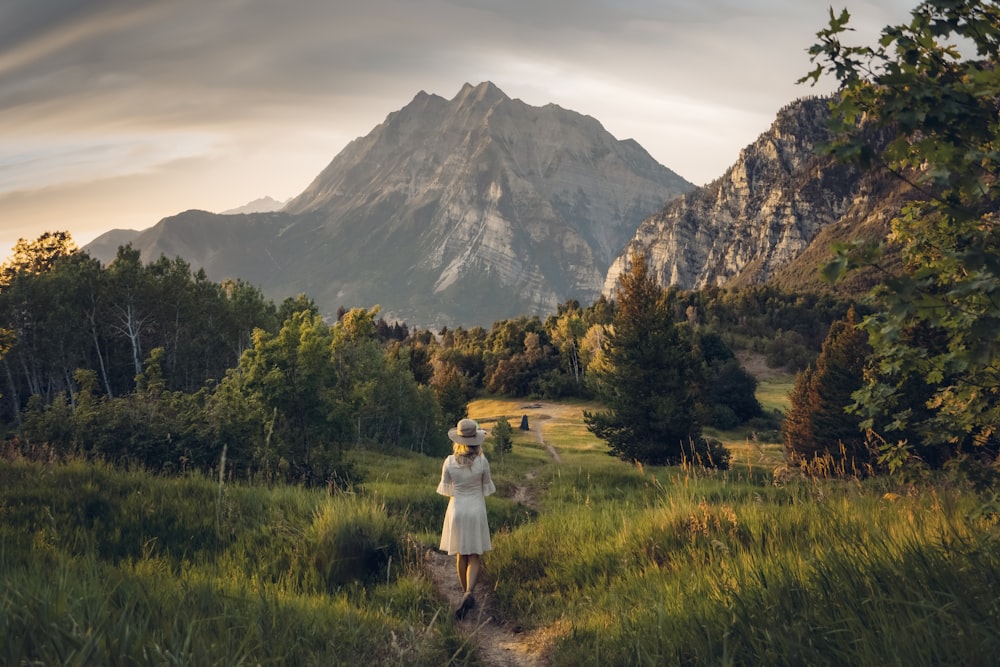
[671, 568]
[101, 566]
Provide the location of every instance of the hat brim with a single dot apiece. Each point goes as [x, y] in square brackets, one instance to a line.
[471, 441]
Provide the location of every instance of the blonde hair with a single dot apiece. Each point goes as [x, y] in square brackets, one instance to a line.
[465, 454]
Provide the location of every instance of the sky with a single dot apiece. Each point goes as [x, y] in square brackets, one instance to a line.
[118, 113]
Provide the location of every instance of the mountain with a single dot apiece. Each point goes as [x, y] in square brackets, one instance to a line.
[450, 212]
[261, 205]
[105, 246]
[771, 217]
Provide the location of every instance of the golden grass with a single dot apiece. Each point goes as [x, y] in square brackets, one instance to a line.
[752, 455]
[561, 422]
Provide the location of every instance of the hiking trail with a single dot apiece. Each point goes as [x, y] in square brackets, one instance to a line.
[495, 642]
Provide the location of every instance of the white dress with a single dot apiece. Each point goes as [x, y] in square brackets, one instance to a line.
[466, 530]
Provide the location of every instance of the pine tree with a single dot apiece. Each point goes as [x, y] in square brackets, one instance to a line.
[818, 422]
[797, 429]
[648, 385]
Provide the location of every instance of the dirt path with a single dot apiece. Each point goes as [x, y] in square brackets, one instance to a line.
[538, 434]
[496, 643]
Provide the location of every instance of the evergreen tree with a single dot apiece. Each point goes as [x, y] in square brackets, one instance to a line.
[647, 385]
[797, 429]
[818, 423]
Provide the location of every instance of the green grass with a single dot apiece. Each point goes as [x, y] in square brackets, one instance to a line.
[99, 566]
[669, 566]
[636, 566]
[621, 564]
[773, 392]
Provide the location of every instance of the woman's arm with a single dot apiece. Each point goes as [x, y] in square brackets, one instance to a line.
[489, 487]
[446, 487]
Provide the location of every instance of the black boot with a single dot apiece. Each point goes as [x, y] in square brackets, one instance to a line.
[468, 602]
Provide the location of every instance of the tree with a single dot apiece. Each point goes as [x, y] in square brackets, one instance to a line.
[797, 432]
[453, 389]
[132, 300]
[245, 310]
[931, 86]
[36, 257]
[728, 397]
[503, 441]
[647, 385]
[565, 331]
[377, 389]
[39, 306]
[818, 424]
[291, 376]
[730, 394]
[6, 342]
[62, 311]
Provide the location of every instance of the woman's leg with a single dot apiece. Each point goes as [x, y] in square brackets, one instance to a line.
[462, 566]
[468, 572]
[472, 573]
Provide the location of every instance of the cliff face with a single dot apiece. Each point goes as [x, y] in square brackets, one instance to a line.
[758, 218]
[450, 212]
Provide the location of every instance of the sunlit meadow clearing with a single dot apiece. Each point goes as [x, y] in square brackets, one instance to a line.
[618, 564]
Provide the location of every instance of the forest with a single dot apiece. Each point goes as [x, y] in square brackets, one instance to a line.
[154, 365]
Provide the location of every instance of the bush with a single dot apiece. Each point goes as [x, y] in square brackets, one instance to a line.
[710, 453]
[722, 416]
[501, 435]
[350, 539]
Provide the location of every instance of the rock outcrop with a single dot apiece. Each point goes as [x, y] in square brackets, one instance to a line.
[759, 217]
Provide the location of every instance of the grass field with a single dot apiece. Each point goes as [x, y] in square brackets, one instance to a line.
[618, 564]
[636, 566]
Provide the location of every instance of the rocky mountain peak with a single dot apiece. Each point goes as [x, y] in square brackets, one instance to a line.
[450, 212]
[260, 205]
[483, 94]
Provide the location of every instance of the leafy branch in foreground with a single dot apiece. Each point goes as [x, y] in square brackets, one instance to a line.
[931, 90]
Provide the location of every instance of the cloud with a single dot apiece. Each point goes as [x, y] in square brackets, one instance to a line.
[260, 95]
[41, 164]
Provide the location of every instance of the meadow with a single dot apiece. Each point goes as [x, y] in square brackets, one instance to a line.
[616, 563]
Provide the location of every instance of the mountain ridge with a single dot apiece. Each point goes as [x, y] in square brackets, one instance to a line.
[468, 211]
[755, 222]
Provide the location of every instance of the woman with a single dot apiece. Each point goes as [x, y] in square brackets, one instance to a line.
[465, 477]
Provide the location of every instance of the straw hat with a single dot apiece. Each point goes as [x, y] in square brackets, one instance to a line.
[468, 433]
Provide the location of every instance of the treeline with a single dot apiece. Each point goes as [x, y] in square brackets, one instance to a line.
[154, 364]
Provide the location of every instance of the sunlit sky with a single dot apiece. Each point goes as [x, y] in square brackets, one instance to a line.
[117, 113]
